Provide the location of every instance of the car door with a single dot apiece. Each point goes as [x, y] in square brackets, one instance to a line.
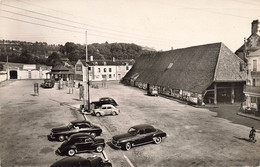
[140, 137]
[103, 110]
[91, 144]
[79, 144]
[84, 128]
[109, 110]
[85, 145]
[149, 135]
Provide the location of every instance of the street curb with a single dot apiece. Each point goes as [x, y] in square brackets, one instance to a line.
[248, 116]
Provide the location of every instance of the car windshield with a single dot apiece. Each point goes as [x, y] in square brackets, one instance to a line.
[132, 131]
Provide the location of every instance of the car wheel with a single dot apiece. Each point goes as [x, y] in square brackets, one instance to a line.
[127, 146]
[157, 140]
[99, 149]
[93, 135]
[61, 138]
[114, 113]
[98, 114]
[71, 152]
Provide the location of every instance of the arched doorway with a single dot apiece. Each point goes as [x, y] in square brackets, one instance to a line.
[13, 74]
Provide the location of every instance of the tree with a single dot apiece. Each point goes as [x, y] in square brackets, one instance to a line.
[54, 59]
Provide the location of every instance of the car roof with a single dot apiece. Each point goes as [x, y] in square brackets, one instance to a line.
[106, 98]
[80, 121]
[143, 126]
[107, 105]
[90, 161]
[79, 135]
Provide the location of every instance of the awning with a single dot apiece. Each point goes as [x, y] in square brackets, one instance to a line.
[252, 90]
[60, 72]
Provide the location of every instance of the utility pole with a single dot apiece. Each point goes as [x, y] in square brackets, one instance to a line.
[87, 71]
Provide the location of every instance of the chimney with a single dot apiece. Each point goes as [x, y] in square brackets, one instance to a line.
[255, 27]
[91, 58]
[113, 59]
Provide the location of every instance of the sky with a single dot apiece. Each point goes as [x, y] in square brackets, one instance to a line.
[158, 24]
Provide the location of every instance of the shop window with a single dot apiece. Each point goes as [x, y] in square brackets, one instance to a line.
[253, 99]
[110, 76]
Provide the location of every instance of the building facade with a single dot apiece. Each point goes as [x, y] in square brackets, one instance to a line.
[25, 71]
[250, 52]
[102, 70]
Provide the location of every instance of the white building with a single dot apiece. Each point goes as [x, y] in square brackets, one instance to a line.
[25, 71]
[101, 70]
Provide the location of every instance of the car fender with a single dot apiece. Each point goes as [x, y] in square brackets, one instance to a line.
[66, 149]
[161, 134]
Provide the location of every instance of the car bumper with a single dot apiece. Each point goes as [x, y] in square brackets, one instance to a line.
[51, 137]
[58, 152]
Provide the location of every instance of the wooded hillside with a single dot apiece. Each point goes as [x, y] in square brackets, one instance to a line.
[42, 53]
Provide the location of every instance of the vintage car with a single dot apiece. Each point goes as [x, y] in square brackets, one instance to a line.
[104, 100]
[152, 92]
[97, 104]
[106, 109]
[48, 83]
[81, 162]
[81, 143]
[79, 126]
[138, 135]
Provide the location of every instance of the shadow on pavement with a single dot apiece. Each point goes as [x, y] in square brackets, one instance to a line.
[76, 99]
[241, 138]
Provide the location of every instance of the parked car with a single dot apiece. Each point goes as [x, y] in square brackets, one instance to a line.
[48, 83]
[104, 100]
[106, 109]
[81, 143]
[152, 92]
[138, 135]
[97, 104]
[77, 161]
[79, 126]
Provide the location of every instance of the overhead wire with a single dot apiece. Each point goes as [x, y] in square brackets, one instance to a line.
[68, 30]
[71, 21]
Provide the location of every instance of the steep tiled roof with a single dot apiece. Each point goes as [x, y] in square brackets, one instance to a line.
[192, 69]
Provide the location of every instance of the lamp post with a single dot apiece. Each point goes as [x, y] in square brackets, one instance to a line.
[88, 89]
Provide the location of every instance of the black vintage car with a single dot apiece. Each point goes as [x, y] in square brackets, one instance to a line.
[81, 162]
[48, 83]
[79, 126]
[81, 143]
[138, 135]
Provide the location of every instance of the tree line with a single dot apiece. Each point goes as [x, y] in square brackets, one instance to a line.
[42, 53]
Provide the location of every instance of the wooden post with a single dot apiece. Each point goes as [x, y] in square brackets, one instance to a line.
[232, 93]
[215, 93]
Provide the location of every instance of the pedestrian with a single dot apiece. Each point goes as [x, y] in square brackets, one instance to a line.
[252, 134]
